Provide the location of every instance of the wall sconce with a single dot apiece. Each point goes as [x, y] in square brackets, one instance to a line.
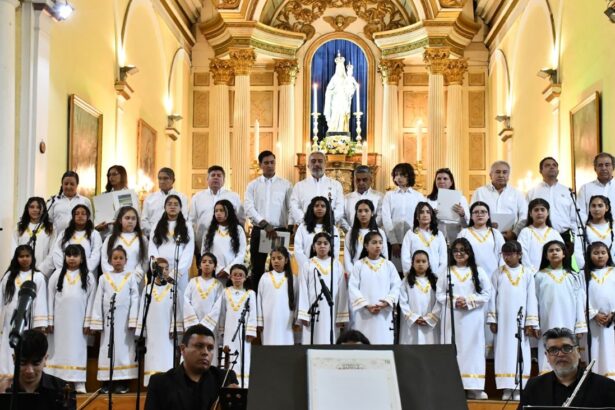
[506, 132]
[554, 89]
[127, 70]
[62, 10]
[548, 73]
[121, 85]
[171, 131]
[610, 10]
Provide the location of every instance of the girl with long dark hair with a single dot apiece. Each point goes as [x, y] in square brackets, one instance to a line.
[35, 220]
[536, 233]
[364, 222]
[317, 219]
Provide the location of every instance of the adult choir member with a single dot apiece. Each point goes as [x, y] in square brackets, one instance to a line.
[602, 185]
[153, 205]
[362, 177]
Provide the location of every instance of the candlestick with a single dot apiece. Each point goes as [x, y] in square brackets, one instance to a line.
[257, 137]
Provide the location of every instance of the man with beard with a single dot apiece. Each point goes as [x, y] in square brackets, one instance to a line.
[554, 388]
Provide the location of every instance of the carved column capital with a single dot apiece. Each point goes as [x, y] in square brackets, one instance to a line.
[391, 70]
[436, 59]
[221, 70]
[287, 71]
[242, 60]
[452, 3]
[455, 69]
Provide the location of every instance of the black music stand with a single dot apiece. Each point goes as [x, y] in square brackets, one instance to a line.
[428, 376]
[31, 401]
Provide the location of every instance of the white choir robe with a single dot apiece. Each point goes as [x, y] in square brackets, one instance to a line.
[223, 249]
[595, 232]
[350, 201]
[304, 239]
[310, 187]
[561, 303]
[60, 212]
[415, 302]
[372, 281]
[125, 322]
[44, 247]
[309, 289]
[153, 208]
[532, 241]
[513, 288]
[230, 305]
[91, 247]
[69, 314]
[469, 323]
[274, 315]
[601, 291]
[39, 315]
[202, 210]
[130, 242]
[487, 246]
[199, 301]
[158, 331]
[434, 245]
[450, 229]
[349, 262]
[166, 250]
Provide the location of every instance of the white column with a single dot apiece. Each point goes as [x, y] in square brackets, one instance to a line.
[436, 59]
[390, 71]
[454, 72]
[242, 60]
[285, 148]
[7, 119]
[219, 145]
[34, 96]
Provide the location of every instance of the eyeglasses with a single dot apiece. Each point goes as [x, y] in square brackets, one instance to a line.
[566, 349]
[459, 251]
[479, 212]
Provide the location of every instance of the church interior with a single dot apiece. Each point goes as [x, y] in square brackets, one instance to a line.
[188, 84]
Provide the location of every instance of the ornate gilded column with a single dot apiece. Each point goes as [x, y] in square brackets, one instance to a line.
[242, 60]
[436, 60]
[287, 73]
[7, 119]
[454, 72]
[219, 146]
[390, 71]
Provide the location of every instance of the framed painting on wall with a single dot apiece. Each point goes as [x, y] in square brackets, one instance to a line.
[85, 125]
[146, 150]
[585, 139]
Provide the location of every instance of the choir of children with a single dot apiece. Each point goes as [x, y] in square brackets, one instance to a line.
[497, 285]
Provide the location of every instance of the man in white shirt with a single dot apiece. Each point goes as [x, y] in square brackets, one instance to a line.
[317, 184]
[503, 199]
[602, 185]
[153, 205]
[562, 213]
[363, 190]
[202, 209]
[266, 203]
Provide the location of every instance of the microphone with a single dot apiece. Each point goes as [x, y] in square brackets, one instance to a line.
[27, 293]
[325, 290]
[520, 313]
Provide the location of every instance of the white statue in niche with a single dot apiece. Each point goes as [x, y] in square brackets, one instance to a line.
[338, 96]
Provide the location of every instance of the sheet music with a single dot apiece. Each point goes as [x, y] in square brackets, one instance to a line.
[104, 209]
[352, 379]
[265, 245]
[446, 199]
[505, 221]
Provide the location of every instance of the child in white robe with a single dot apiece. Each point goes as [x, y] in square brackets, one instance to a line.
[173, 238]
[536, 233]
[599, 227]
[600, 273]
[121, 286]
[61, 206]
[21, 269]
[373, 289]
[560, 294]
[420, 312]
[317, 219]
[35, 220]
[225, 238]
[127, 232]
[364, 222]
[71, 292]
[159, 327]
[513, 289]
[425, 236]
[471, 291]
[310, 287]
[80, 231]
[230, 306]
[277, 300]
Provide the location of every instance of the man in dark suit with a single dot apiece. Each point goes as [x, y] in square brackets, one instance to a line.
[554, 388]
[194, 384]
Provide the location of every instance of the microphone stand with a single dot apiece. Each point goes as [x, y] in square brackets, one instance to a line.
[16, 371]
[452, 308]
[519, 368]
[111, 348]
[216, 404]
[175, 290]
[582, 228]
[241, 326]
[332, 233]
[314, 313]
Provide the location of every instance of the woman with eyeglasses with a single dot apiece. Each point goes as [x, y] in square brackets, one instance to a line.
[444, 179]
[117, 180]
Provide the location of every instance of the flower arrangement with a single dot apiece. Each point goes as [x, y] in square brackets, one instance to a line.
[338, 144]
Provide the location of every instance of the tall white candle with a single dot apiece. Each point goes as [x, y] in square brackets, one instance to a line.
[257, 138]
[358, 99]
[419, 140]
[315, 103]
